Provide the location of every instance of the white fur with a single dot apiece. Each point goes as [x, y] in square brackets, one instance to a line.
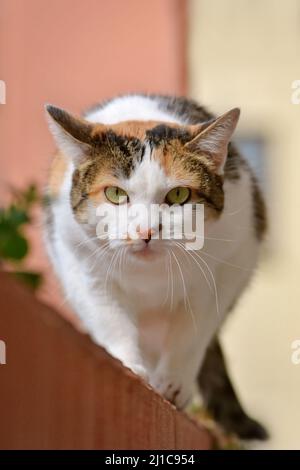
[131, 108]
[157, 316]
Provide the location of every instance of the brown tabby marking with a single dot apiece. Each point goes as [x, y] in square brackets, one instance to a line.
[259, 209]
[193, 169]
[118, 147]
[139, 129]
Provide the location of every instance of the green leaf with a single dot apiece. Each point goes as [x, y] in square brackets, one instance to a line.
[13, 246]
[31, 279]
[13, 243]
[31, 194]
[13, 217]
[17, 216]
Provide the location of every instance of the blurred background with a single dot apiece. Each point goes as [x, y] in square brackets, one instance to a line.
[245, 53]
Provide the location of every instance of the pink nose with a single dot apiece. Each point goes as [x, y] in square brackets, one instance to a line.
[146, 235]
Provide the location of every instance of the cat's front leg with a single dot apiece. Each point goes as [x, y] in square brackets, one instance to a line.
[111, 326]
[175, 386]
[186, 343]
[174, 378]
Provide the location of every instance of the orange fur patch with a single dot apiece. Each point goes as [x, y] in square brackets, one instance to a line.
[136, 129]
[57, 173]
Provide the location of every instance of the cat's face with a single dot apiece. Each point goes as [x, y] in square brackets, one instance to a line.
[128, 176]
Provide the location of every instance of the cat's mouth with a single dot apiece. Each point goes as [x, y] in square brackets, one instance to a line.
[144, 252]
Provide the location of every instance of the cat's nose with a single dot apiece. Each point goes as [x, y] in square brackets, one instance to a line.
[146, 235]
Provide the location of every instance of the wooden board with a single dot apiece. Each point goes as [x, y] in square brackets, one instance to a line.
[58, 390]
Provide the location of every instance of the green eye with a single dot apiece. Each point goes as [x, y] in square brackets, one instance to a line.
[178, 195]
[116, 195]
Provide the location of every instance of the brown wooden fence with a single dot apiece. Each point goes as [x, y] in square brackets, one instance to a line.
[58, 390]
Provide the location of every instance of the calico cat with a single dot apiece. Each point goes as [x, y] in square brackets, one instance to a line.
[150, 302]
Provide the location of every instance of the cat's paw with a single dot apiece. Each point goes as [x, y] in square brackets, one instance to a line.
[173, 388]
[139, 370]
[242, 425]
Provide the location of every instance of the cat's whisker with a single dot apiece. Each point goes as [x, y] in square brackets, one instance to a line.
[214, 282]
[98, 258]
[204, 274]
[102, 237]
[115, 265]
[93, 254]
[231, 214]
[122, 249]
[83, 242]
[167, 296]
[186, 298]
[199, 237]
[125, 258]
[169, 277]
[190, 253]
[172, 282]
[227, 262]
[108, 270]
[178, 244]
[218, 259]
[121, 261]
[103, 249]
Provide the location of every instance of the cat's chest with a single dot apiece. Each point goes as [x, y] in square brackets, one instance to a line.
[162, 290]
[150, 294]
[153, 326]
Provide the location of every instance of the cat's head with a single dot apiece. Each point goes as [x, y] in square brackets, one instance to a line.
[142, 164]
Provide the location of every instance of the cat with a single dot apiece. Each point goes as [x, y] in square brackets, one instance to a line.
[150, 302]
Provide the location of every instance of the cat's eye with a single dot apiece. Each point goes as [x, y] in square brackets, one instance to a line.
[178, 195]
[116, 195]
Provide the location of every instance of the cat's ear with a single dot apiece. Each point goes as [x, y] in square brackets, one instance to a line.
[213, 138]
[73, 135]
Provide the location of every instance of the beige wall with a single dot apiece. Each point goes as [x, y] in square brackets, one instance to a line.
[247, 53]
